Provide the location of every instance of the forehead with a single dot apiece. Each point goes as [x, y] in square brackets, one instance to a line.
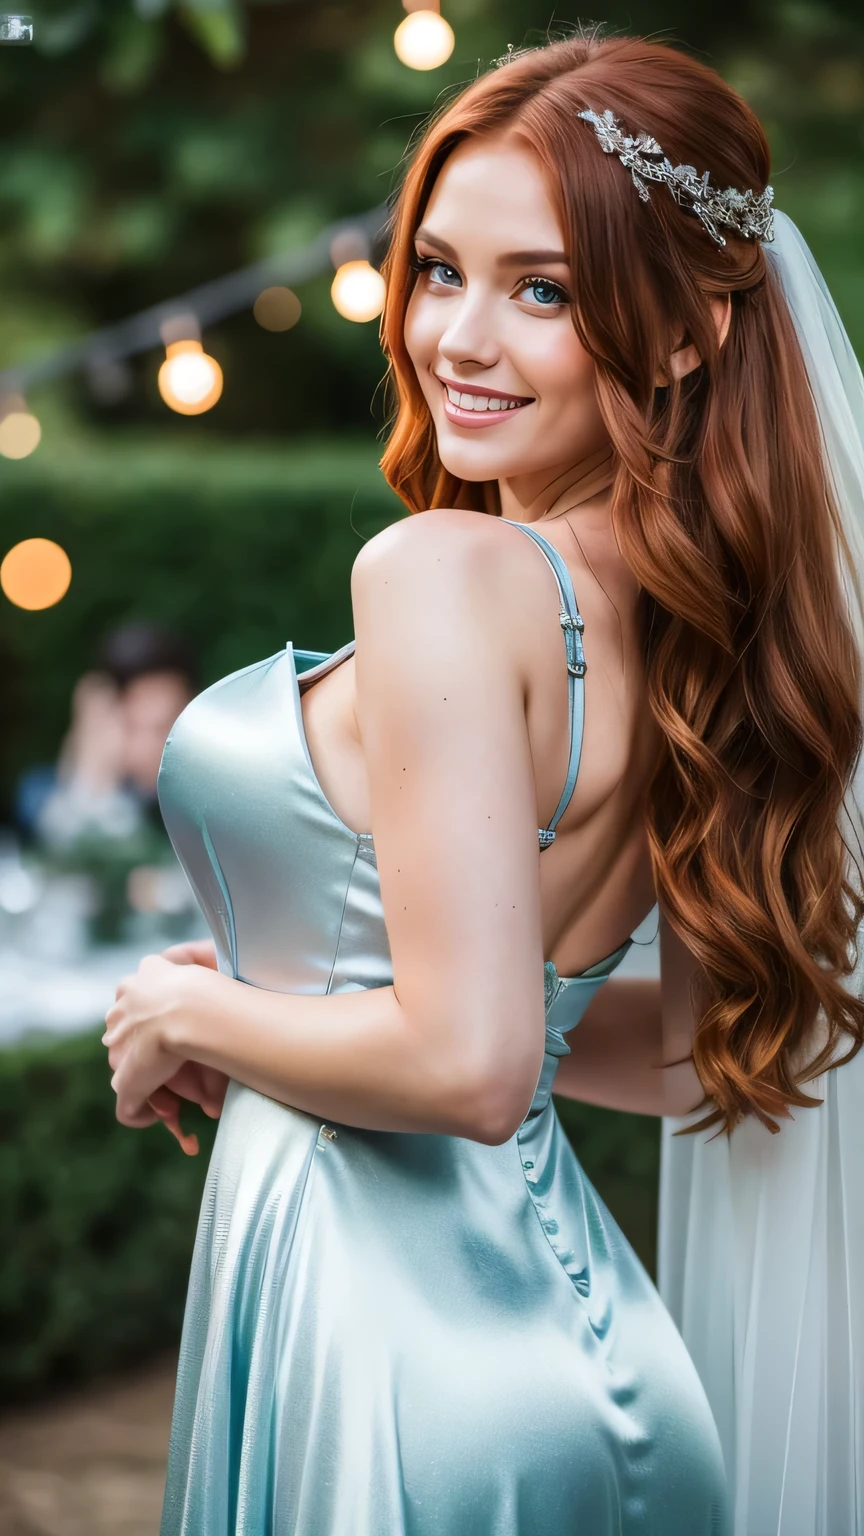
[494, 189]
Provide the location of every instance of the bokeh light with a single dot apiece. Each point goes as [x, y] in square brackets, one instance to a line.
[20, 434]
[189, 381]
[358, 291]
[277, 309]
[424, 40]
[35, 574]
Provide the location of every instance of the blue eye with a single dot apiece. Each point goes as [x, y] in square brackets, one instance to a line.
[547, 294]
[436, 269]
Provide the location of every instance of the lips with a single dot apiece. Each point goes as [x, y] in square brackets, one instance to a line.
[478, 406]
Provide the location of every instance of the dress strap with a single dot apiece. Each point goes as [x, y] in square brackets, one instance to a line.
[572, 624]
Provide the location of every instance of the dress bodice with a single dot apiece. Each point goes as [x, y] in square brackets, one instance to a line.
[290, 893]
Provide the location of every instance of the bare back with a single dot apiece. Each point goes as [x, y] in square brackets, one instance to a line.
[595, 879]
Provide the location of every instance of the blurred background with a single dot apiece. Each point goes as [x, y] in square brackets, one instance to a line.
[190, 422]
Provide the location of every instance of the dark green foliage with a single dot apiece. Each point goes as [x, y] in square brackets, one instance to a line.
[97, 1221]
[621, 1156]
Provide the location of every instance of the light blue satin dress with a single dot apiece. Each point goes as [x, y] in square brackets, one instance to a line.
[394, 1334]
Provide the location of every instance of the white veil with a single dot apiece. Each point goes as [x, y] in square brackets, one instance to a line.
[761, 1249]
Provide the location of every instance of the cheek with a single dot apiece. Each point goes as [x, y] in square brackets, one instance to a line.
[562, 371]
[421, 331]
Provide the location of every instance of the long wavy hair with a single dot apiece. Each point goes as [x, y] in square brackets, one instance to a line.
[722, 507]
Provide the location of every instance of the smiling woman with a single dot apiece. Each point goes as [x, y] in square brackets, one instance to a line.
[488, 328]
[422, 861]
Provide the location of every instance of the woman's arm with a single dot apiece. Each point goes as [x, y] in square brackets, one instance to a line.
[631, 1050]
[456, 1044]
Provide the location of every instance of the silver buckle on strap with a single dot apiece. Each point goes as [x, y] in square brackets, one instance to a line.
[573, 628]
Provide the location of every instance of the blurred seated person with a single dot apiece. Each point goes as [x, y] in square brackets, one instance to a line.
[104, 784]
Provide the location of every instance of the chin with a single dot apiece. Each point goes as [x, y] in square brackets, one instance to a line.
[479, 461]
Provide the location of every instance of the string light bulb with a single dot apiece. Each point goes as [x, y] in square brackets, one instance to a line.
[358, 291]
[190, 381]
[424, 40]
[35, 574]
[20, 432]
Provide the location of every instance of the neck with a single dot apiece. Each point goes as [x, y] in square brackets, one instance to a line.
[545, 496]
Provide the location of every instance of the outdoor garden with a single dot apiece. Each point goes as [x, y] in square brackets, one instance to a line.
[149, 149]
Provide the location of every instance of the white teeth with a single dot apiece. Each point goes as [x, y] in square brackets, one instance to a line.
[468, 402]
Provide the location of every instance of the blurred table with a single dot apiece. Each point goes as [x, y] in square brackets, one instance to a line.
[55, 975]
[62, 997]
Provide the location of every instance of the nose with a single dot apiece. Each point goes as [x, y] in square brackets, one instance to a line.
[470, 335]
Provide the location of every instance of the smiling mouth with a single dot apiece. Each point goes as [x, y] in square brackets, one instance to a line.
[477, 402]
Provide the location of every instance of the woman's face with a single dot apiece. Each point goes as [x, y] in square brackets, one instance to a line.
[488, 326]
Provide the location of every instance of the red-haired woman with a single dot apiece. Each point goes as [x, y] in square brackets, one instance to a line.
[409, 1313]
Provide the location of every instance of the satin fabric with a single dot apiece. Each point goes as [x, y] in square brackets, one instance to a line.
[391, 1334]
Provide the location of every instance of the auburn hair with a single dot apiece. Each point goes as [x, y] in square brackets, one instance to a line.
[722, 507]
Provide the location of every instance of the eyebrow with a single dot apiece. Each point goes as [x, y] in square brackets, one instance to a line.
[511, 259]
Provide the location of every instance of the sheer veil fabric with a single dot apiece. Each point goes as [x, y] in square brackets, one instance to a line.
[761, 1244]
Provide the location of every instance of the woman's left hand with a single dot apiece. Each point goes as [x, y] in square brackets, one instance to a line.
[138, 1023]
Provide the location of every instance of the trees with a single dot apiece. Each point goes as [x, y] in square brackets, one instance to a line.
[149, 145]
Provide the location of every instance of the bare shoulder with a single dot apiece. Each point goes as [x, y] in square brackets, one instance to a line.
[428, 594]
[417, 543]
[464, 565]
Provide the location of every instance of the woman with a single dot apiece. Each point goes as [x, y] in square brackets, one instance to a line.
[409, 1311]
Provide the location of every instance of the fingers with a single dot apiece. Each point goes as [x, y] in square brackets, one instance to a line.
[201, 1085]
[166, 1106]
[135, 1119]
[193, 952]
[216, 1086]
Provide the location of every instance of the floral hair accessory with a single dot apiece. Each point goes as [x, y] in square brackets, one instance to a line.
[747, 213]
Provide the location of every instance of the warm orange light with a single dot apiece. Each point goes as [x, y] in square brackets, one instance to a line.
[358, 291]
[20, 434]
[36, 574]
[189, 381]
[424, 40]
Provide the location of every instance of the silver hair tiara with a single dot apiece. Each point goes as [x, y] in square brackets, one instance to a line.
[747, 213]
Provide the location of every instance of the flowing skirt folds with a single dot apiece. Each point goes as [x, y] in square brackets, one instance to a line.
[416, 1335]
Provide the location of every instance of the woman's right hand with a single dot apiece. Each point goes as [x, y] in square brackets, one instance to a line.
[197, 1084]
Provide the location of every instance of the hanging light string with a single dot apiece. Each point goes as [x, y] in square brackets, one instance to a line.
[210, 302]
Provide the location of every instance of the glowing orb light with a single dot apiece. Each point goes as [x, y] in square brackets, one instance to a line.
[277, 309]
[424, 40]
[20, 433]
[189, 381]
[358, 291]
[35, 574]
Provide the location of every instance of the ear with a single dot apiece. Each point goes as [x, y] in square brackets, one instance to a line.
[682, 362]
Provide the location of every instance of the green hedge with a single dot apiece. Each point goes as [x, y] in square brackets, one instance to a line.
[97, 1221]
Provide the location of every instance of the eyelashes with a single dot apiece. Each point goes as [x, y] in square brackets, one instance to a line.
[426, 263]
[420, 264]
[561, 295]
